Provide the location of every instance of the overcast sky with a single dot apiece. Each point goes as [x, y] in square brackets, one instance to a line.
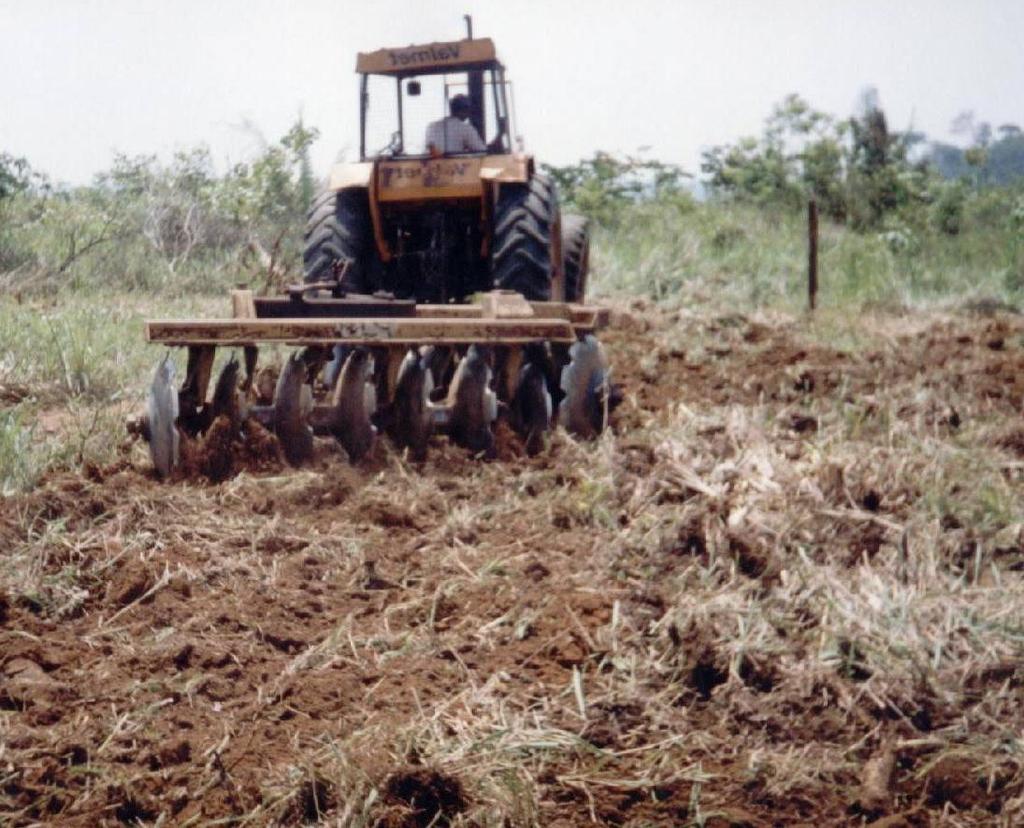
[81, 79]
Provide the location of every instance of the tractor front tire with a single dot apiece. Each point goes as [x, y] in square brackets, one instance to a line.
[524, 221]
[338, 231]
[575, 256]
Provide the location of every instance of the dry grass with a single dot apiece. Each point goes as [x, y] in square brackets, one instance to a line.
[787, 589]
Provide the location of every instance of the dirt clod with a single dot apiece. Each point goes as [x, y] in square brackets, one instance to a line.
[955, 781]
[315, 798]
[176, 753]
[1013, 442]
[131, 809]
[803, 423]
[130, 584]
[876, 781]
[216, 456]
[420, 797]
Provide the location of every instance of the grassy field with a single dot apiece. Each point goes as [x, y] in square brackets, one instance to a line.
[730, 256]
[785, 588]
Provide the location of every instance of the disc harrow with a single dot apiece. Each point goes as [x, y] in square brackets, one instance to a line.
[363, 366]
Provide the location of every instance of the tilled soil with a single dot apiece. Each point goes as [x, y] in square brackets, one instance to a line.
[671, 626]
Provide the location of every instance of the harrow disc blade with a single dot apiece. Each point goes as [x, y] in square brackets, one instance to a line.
[410, 425]
[293, 401]
[532, 407]
[225, 394]
[474, 406]
[161, 419]
[583, 411]
[354, 403]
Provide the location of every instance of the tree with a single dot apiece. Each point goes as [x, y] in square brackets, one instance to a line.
[877, 164]
[17, 179]
[947, 160]
[855, 169]
[750, 169]
[987, 159]
[170, 205]
[801, 154]
[601, 186]
[1005, 161]
[297, 142]
[15, 175]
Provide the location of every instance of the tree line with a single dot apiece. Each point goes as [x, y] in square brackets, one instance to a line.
[147, 223]
[861, 172]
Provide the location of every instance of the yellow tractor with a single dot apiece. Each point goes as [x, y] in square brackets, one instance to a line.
[442, 288]
[440, 206]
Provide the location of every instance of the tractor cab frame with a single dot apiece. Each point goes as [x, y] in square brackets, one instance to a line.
[468, 66]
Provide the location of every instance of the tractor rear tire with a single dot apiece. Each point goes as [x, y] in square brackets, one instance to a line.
[337, 231]
[524, 220]
[575, 256]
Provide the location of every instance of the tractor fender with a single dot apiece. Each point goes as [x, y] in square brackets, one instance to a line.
[497, 169]
[351, 174]
[507, 169]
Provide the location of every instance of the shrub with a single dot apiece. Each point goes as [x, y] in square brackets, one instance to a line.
[948, 209]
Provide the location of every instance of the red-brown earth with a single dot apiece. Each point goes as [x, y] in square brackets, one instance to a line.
[533, 640]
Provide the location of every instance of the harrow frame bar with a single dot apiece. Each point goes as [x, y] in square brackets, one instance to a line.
[371, 331]
[498, 319]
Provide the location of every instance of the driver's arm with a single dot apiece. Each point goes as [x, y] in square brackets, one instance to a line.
[497, 145]
[472, 141]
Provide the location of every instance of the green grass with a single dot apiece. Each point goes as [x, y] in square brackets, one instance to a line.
[738, 256]
[72, 368]
[18, 461]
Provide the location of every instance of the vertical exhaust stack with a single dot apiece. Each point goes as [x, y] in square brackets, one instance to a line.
[475, 88]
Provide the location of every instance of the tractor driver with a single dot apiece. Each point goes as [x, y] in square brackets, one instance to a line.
[454, 133]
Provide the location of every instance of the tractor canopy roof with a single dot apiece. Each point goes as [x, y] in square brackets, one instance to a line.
[430, 58]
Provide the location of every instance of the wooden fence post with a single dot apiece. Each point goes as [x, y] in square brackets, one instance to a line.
[812, 254]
